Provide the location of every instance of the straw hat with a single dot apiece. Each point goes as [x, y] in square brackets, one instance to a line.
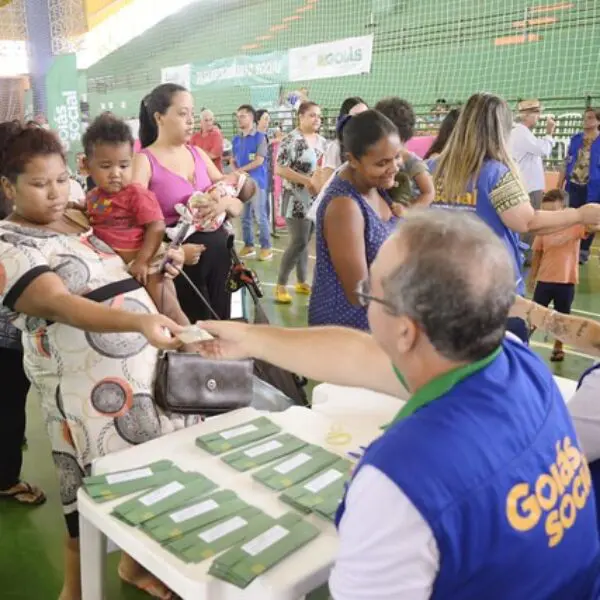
[529, 106]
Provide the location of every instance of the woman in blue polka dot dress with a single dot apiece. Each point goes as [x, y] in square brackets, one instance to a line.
[354, 218]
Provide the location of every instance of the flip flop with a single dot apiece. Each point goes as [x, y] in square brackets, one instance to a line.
[149, 584]
[557, 356]
[24, 493]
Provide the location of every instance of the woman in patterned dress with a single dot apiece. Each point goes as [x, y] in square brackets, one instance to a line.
[299, 155]
[91, 363]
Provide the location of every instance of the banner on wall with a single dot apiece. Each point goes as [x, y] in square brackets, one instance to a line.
[182, 75]
[256, 69]
[352, 56]
[63, 101]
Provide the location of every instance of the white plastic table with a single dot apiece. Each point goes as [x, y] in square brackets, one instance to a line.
[294, 577]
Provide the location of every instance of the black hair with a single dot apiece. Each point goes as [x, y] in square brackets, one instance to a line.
[446, 129]
[401, 114]
[360, 132]
[106, 129]
[248, 108]
[19, 145]
[306, 106]
[260, 112]
[349, 103]
[555, 195]
[157, 101]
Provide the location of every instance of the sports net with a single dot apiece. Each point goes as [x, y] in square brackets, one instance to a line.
[423, 50]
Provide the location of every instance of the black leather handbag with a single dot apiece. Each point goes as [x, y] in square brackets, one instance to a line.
[190, 384]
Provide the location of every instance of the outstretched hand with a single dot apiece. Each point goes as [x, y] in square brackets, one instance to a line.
[160, 331]
[232, 340]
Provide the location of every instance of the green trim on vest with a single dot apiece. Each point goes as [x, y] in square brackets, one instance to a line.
[439, 386]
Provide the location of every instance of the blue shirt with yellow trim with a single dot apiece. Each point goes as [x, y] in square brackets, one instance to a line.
[494, 467]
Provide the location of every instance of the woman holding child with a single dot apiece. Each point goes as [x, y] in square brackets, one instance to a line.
[174, 170]
[88, 330]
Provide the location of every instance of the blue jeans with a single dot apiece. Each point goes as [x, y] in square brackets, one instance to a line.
[257, 208]
[578, 197]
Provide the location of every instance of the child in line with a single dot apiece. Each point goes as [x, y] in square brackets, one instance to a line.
[125, 215]
[555, 265]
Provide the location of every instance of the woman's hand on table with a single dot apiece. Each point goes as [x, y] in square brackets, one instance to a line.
[177, 260]
[160, 331]
[232, 340]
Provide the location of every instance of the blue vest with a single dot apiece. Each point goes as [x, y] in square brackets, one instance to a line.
[244, 149]
[494, 468]
[593, 186]
[479, 202]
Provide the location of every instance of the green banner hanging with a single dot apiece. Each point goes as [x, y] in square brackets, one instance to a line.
[63, 103]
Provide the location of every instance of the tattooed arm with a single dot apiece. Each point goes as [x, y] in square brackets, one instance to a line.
[583, 334]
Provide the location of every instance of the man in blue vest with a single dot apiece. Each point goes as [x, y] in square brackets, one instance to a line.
[478, 488]
[249, 151]
[581, 174]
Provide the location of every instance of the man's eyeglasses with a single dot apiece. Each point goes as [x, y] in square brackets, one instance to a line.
[363, 293]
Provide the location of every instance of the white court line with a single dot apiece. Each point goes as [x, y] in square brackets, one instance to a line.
[278, 250]
[585, 312]
[567, 349]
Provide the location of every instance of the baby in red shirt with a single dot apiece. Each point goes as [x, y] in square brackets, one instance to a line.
[125, 215]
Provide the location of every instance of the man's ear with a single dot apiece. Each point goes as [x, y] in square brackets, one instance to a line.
[407, 334]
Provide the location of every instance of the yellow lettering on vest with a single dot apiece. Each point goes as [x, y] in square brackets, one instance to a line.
[573, 454]
[522, 510]
[546, 491]
[567, 511]
[554, 529]
[565, 468]
[579, 492]
[556, 476]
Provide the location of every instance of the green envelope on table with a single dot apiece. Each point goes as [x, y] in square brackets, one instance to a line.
[235, 437]
[265, 452]
[326, 485]
[114, 485]
[328, 509]
[202, 544]
[244, 562]
[177, 492]
[309, 460]
[193, 516]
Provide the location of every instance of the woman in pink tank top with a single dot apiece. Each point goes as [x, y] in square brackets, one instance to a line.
[173, 169]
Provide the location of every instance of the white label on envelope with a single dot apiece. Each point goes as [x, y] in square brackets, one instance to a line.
[292, 463]
[161, 493]
[323, 480]
[233, 433]
[129, 476]
[265, 540]
[222, 529]
[193, 511]
[263, 449]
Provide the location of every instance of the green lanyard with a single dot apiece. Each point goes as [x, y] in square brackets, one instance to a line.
[439, 386]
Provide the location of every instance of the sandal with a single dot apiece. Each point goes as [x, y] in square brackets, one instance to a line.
[24, 493]
[557, 356]
[146, 582]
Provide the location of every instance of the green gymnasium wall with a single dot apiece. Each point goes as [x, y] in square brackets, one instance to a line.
[423, 49]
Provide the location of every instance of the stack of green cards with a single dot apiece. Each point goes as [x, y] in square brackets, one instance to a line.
[265, 452]
[194, 516]
[327, 485]
[177, 492]
[114, 485]
[235, 437]
[243, 563]
[328, 509]
[199, 545]
[310, 460]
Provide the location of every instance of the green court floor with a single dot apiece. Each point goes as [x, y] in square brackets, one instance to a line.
[31, 539]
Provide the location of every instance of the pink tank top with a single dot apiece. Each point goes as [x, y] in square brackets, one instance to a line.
[171, 189]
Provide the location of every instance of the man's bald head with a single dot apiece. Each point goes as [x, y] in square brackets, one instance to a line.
[450, 274]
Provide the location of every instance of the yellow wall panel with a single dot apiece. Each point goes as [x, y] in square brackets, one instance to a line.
[98, 10]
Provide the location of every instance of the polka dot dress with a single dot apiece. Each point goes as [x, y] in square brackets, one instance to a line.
[328, 303]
